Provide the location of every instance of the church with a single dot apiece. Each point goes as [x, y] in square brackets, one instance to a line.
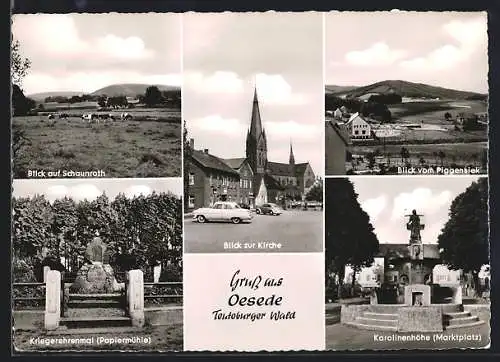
[252, 180]
[274, 182]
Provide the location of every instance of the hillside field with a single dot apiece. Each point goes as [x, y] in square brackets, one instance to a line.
[432, 112]
[135, 148]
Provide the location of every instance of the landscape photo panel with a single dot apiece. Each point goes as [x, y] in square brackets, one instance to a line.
[408, 97]
[97, 265]
[96, 95]
[253, 181]
[407, 263]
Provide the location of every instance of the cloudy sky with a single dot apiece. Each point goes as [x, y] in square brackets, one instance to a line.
[85, 52]
[90, 189]
[447, 49]
[388, 199]
[226, 54]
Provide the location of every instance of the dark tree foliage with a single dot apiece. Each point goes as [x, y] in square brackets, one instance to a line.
[464, 238]
[153, 96]
[371, 108]
[19, 65]
[315, 193]
[147, 229]
[350, 239]
[391, 98]
[21, 105]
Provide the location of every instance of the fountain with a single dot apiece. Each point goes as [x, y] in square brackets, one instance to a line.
[408, 300]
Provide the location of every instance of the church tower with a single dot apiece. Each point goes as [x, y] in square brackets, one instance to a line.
[256, 145]
[291, 163]
[291, 159]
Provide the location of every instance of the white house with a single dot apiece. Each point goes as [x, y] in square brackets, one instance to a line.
[338, 113]
[359, 129]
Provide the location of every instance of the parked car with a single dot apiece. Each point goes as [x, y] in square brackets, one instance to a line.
[223, 211]
[269, 209]
[244, 206]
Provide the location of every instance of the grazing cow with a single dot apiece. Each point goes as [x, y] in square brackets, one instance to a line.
[50, 116]
[112, 116]
[90, 117]
[126, 116]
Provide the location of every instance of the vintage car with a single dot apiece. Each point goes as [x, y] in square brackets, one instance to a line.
[269, 209]
[223, 211]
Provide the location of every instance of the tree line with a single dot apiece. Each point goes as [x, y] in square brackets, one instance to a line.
[139, 232]
[375, 107]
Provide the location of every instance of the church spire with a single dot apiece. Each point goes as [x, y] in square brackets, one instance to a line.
[255, 122]
[291, 160]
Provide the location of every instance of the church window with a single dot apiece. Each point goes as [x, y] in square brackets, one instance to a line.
[191, 179]
[191, 201]
[241, 183]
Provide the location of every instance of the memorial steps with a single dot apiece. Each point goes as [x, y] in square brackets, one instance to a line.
[385, 318]
[95, 314]
[460, 320]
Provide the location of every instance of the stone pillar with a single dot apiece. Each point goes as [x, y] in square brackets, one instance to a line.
[135, 295]
[156, 273]
[52, 299]
[374, 297]
[457, 295]
[46, 269]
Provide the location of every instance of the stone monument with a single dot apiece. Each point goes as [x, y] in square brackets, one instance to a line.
[96, 276]
[417, 293]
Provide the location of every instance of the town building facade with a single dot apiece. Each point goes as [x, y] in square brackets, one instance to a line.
[210, 179]
[245, 195]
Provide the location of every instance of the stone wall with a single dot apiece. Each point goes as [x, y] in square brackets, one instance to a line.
[163, 316]
[32, 320]
[28, 320]
[349, 313]
[420, 319]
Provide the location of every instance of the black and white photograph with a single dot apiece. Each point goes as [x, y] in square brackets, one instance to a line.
[406, 93]
[253, 113]
[407, 263]
[96, 95]
[97, 265]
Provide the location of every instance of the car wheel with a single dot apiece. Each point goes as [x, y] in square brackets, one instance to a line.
[236, 220]
[201, 219]
[271, 213]
[257, 211]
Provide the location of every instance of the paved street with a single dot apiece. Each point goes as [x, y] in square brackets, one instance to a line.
[296, 231]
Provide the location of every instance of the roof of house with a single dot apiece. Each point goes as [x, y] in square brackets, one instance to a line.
[278, 168]
[354, 116]
[283, 169]
[272, 183]
[401, 251]
[235, 163]
[339, 128]
[300, 168]
[212, 162]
